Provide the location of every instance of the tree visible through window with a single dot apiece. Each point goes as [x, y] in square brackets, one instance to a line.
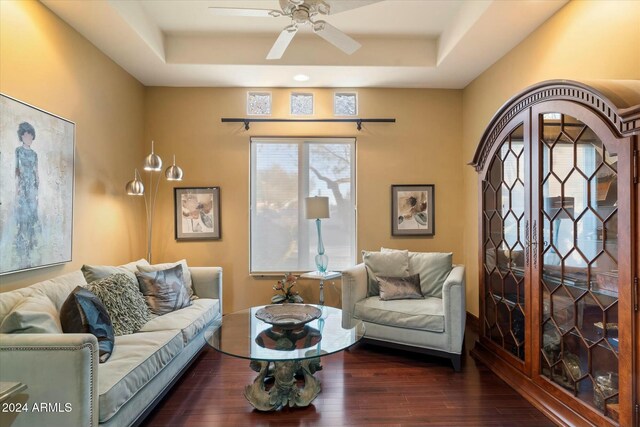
[283, 172]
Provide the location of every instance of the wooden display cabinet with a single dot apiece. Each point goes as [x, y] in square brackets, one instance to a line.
[558, 174]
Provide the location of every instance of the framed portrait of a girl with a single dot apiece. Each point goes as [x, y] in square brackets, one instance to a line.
[36, 187]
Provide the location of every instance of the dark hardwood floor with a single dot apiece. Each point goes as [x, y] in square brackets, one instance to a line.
[366, 385]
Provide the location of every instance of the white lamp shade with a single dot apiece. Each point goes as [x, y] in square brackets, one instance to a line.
[316, 207]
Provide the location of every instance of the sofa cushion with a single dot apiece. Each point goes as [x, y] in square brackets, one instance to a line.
[164, 290]
[136, 360]
[35, 314]
[392, 288]
[186, 274]
[433, 268]
[59, 288]
[126, 306]
[423, 314]
[389, 264]
[8, 300]
[97, 272]
[190, 320]
[84, 313]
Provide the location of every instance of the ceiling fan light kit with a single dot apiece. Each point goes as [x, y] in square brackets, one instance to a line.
[301, 12]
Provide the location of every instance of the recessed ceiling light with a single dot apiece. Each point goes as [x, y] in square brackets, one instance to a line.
[301, 77]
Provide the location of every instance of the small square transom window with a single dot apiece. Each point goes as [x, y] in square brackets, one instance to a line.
[301, 104]
[259, 103]
[345, 104]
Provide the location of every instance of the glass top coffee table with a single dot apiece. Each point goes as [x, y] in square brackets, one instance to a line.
[282, 354]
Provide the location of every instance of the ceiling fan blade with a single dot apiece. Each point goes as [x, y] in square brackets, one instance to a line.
[235, 11]
[281, 44]
[337, 6]
[336, 37]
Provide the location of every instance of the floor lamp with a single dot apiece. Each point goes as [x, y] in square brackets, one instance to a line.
[318, 208]
[152, 164]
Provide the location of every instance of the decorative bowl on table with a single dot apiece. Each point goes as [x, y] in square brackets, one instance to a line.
[288, 316]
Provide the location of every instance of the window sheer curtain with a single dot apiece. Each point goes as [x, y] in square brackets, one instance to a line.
[283, 172]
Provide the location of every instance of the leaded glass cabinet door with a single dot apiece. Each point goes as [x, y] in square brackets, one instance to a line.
[505, 194]
[580, 262]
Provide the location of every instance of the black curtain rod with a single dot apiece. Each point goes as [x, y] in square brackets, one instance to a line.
[357, 121]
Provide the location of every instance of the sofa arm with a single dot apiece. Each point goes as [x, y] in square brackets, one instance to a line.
[207, 282]
[61, 375]
[454, 302]
[354, 289]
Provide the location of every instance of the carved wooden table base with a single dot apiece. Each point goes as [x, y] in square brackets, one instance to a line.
[285, 390]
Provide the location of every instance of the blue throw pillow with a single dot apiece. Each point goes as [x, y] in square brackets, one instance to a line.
[83, 312]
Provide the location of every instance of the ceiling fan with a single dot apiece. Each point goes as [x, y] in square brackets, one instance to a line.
[303, 12]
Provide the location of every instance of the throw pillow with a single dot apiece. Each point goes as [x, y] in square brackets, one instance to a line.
[84, 313]
[433, 268]
[164, 290]
[99, 272]
[186, 274]
[392, 288]
[124, 302]
[392, 264]
[35, 314]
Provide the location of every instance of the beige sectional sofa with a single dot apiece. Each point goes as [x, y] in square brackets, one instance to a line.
[62, 370]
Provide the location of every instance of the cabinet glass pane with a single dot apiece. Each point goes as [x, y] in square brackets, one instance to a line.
[579, 277]
[504, 237]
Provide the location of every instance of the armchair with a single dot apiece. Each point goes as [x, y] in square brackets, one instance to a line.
[432, 325]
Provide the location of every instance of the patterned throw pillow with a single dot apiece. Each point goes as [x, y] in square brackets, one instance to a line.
[164, 290]
[186, 274]
[84, 313]
[124, 302]
[392, 288]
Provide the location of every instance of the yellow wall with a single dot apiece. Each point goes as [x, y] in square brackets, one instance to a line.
[423, 147]
[585, 40]
[46, 63]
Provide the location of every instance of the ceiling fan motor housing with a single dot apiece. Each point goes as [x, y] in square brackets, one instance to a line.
[301, 10]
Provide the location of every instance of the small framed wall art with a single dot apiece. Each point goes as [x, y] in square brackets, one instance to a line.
[197, 213]
[36, 187]
[412, 210]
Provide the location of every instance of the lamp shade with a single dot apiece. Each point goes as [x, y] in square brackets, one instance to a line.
[152, 162]
[135, 187]
[316, 207]
[174, 172]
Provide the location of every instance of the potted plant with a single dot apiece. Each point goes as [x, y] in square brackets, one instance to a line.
[284, 291]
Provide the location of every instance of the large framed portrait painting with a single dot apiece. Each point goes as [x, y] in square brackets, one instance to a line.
[36, 187]
[412, 210]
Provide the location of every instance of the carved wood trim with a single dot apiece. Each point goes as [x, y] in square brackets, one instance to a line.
[623, 119]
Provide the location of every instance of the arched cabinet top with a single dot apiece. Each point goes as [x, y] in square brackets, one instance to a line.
[616, 101]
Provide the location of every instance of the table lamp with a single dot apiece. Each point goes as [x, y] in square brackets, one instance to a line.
[318, 208]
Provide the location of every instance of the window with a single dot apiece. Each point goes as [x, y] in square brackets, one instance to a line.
[283, 172]
[345, 104]
[259, 103]
[301, 104]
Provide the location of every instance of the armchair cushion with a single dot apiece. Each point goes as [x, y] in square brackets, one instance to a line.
[423, 314]
[392, 288]
[433, 268]
[388, 264]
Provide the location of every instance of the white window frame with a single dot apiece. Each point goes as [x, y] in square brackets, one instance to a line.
[303, 185]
